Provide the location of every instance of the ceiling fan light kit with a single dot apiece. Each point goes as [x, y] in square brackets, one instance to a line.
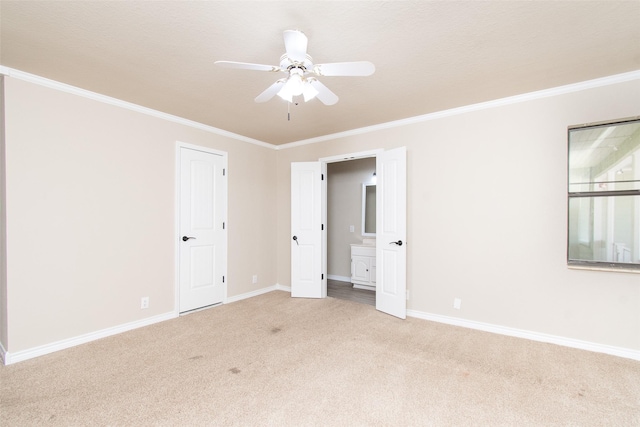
[301, 72]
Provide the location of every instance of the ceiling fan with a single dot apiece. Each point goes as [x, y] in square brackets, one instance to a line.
[301, 72]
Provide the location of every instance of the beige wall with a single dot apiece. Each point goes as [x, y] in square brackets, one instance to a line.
[90, 194]
[90, 216]
[487, 203]
[344, 208]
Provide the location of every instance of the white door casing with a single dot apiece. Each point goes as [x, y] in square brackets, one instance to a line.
[307, 231]
[391, 231]
[202, 253]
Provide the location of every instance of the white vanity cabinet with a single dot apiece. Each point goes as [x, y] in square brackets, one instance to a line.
[363, 266]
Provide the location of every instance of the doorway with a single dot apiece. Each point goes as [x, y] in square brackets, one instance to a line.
[309, 235]
[346, 181]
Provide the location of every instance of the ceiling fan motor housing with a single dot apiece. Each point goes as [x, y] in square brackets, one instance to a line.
[286, 63]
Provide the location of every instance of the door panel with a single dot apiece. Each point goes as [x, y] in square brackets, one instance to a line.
[391, 230]
[202, 194]
[390, 280]
[202, 268]
[361, 269]
[202, 257]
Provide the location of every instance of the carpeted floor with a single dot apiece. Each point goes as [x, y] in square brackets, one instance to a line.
[277, 361]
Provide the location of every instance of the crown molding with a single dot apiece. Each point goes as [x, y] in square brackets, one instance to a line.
[545, 93]
[52, 84]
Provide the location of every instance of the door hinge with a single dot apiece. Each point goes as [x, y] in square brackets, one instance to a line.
[222, 279]
[223, 225]
[322, 177]
[322, 227]
[322, 276]
[224, 172]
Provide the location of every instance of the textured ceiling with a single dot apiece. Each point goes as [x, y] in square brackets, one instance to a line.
[429, 55]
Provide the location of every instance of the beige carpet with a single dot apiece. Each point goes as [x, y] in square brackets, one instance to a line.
[277, 361]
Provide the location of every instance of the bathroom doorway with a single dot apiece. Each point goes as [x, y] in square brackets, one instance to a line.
[348, 183]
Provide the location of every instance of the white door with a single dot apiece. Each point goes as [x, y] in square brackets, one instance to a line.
[307, 231]
[203, 235]
[391, 231]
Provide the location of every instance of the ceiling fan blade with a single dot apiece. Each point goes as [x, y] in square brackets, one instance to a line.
[247, 66]
[295, 43]
[271, 91]
[359, 68]
[324, 94]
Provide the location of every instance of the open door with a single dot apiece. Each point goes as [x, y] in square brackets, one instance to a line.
[391, 231]
[307, 230]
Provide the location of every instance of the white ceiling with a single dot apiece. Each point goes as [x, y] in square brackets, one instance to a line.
[429, 55]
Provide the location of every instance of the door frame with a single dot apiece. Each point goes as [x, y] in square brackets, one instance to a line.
[176, 224]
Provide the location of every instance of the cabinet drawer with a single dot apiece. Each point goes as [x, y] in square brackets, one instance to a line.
[363, 251]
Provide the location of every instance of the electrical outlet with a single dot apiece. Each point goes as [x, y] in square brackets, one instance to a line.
[254, 279]
[352, 229]
[456, 303]
[144, 302]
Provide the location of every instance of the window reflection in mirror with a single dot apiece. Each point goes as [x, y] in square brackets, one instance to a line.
[368, 210]
[604, 194]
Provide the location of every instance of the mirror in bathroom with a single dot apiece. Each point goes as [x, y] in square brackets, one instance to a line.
[368, 209]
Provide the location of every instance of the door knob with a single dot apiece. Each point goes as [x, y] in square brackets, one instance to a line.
[296, 239]
[399, 243]
[185, 238]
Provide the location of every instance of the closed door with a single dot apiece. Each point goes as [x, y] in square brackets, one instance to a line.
[203, 236]
[307, 231]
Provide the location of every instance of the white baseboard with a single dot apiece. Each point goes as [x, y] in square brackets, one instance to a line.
[251, 294]
[339, 278]
[280, 287]
[20, 356]
[9, 358]
[534, 336]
